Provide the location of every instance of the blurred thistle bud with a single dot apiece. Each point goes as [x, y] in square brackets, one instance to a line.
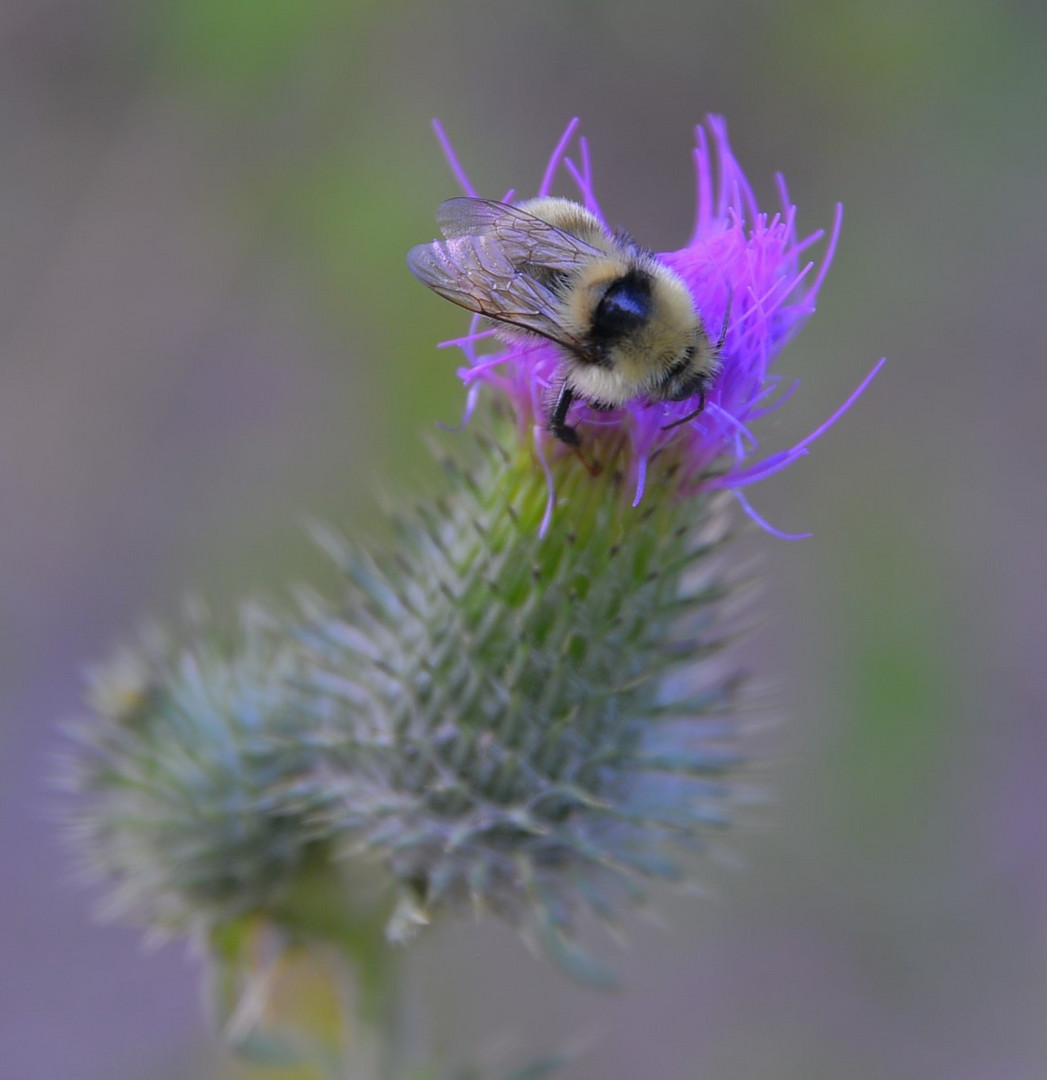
[195, 793]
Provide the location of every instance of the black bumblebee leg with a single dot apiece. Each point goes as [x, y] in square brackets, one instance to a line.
[690, 415]
[558, 418]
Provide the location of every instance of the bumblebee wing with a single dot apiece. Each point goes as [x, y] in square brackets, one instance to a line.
[473, 272]
[526, 238]
[490, 263]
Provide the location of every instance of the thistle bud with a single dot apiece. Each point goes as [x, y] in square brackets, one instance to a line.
[195, 777]
[532, 725]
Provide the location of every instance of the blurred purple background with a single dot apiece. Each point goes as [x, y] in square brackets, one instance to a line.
[208, 333]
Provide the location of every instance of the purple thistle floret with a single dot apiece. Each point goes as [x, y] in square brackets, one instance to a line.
[738, 258]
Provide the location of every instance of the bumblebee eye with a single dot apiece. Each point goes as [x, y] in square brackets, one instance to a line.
[625, 305]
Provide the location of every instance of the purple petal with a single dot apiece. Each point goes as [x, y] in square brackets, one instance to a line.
[764, 523]
[554, 161]
[452, 160]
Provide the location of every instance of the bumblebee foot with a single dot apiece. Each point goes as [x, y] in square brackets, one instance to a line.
[565, 434]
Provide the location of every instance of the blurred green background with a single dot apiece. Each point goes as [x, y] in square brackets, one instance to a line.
[208, 333]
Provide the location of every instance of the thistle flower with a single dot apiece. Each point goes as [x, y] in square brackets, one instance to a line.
[747, 270]
[525, 710]
[510, 709]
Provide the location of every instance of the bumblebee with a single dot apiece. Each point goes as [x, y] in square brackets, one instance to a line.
[625, 323]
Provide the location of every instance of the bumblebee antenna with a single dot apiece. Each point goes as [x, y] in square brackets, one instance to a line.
[726, 322]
